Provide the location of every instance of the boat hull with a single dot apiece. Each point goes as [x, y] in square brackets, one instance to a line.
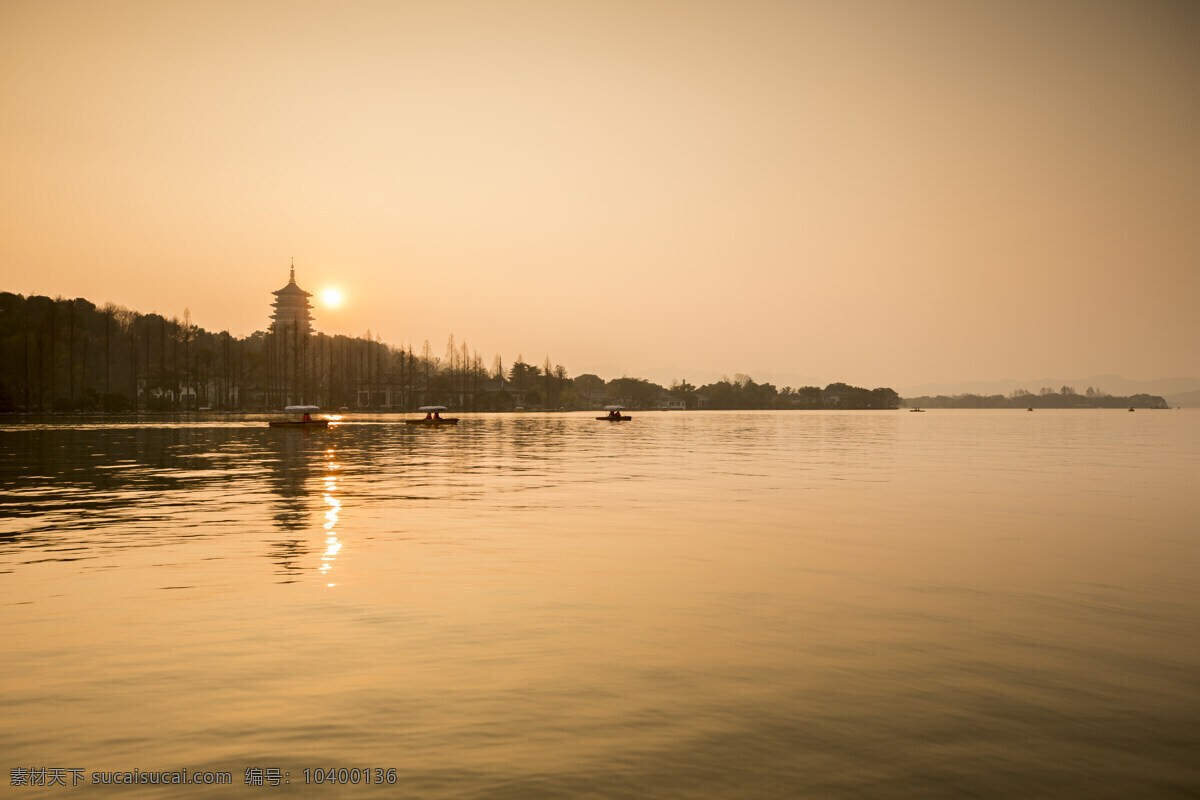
[289, 423]
[433, 422]
[615, 419]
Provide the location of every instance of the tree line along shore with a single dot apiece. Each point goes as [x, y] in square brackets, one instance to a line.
[70, 355]
[1066, 397]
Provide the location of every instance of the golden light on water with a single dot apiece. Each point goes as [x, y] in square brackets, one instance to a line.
[332, 544]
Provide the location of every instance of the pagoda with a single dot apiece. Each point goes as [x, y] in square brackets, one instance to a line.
[292, 309]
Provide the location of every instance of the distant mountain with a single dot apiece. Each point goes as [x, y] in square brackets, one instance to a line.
[1184, 400]
[1109, 384]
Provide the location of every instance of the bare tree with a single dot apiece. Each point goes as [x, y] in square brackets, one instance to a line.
[451, 357]
[187, 353]
[464, 365]
[175, 393]
[25, 351]
[71, 355]
[53, 361]
[126, 321]
[428, 367]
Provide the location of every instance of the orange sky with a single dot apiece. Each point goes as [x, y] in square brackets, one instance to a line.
[879, 192]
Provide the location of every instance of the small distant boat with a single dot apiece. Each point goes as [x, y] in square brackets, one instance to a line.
[1131, 409]
[306, 420]
[921, 410]
[433, 416]
[614, 414]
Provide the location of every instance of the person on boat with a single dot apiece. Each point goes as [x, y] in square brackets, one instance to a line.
[428, 415]
[614, 414]
[437, 415]
[306, 418]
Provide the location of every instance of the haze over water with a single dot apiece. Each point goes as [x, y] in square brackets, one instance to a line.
[701, 604]
[772, 188]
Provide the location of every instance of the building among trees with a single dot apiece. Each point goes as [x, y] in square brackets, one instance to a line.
[68, 355]
[290, 378]
[292, 308]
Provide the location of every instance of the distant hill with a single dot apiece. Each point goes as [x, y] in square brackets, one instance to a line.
[1066, 399]
[1184, 399]
[1109, 384]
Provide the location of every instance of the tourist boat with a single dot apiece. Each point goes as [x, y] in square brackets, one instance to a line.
[614, 414]
[306, 421]
[433, 417]
[917, 410]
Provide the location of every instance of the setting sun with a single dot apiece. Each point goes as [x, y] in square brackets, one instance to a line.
[332, 297]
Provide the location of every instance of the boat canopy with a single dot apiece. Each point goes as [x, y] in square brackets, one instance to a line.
[614, 408]
[430, 409]
[301, 409]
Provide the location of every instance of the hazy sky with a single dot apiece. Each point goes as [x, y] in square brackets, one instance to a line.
[879, 192]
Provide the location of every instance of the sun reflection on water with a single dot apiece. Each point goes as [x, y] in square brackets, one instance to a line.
[329, 491]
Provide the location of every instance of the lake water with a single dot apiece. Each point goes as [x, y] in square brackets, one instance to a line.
[687, 605]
